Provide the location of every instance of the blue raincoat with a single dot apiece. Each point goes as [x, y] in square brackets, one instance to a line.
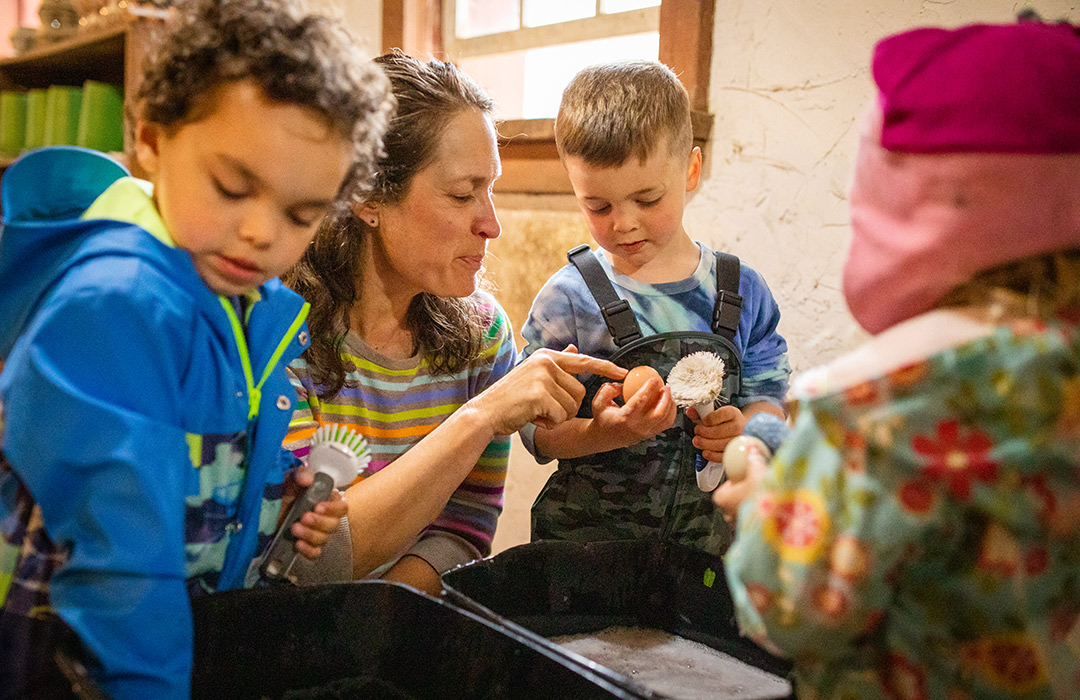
[141, 423]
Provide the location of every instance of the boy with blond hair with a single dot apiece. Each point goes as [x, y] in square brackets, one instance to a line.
[649, 295]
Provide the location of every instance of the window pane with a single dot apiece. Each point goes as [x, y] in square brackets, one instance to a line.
[610, 7]
[480, 17]
[536, 13]
[548, 70]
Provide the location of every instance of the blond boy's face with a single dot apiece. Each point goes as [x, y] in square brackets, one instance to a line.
[634, 210]
[244, 186]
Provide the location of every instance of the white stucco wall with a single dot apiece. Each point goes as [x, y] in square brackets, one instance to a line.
[364, 18]
[789, 78]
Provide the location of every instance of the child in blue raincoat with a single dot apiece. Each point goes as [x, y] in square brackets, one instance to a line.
[144, 338]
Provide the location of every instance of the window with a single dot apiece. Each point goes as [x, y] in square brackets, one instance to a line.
[508, 42]
[525, 51]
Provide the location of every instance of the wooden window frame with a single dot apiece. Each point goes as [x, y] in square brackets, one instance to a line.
[527, 147]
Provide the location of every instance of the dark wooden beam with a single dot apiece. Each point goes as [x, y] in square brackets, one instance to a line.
[686, 29]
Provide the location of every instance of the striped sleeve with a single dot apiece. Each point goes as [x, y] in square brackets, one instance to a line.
[473, 510]
[305, 418]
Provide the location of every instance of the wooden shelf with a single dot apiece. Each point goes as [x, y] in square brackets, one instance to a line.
[92, 56]
[114, 55]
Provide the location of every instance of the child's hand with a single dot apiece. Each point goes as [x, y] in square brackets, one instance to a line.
[713, 433]
[648, 412]
[730, 494]
[314, 528]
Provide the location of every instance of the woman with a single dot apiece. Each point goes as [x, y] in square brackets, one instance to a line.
[403, 343]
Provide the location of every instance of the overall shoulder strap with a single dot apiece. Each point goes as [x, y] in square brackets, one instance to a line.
[619, 317]
[728, 306]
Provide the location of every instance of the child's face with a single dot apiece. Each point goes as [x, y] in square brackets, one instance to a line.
[244, 185]
[634, 210]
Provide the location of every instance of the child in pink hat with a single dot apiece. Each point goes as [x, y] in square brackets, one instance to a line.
[917, 535]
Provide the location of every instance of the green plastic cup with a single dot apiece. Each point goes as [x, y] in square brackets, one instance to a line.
[12, 123]
[35, 119]
[101, 117]
[62, 104]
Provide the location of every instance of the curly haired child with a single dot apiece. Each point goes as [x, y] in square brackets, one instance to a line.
[145, 335]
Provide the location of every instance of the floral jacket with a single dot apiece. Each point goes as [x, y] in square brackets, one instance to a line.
[916, 534]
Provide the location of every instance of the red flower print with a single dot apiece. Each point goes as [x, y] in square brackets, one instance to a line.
[1044, 496]
[873, 618]
[854, 453]
[832, 602]
[760, 596]
[916, 497]
[1036, 561]
[908, 375]
[862, 394]
[957, 458]
[905, 680]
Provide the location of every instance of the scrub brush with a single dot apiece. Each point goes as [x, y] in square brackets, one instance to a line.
[337, 455]
[697, 380]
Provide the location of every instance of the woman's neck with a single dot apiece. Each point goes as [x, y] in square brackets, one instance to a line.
[379, 318]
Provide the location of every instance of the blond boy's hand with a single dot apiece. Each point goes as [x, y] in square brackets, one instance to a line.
[648, 412]
[713, 432]
[731, 494]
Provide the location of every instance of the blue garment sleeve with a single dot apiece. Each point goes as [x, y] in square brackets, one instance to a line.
[91, 394]
[550, 325]
[552, 321]
[766, 371]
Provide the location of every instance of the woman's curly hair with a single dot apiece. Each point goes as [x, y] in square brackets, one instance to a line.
[448, 331]
[295, 55]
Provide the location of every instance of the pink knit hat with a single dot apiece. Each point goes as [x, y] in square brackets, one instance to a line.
[970, 159]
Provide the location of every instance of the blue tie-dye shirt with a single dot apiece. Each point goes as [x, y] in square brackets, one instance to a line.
[565, 312]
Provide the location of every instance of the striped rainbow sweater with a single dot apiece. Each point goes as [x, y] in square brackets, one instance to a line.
[394, 404]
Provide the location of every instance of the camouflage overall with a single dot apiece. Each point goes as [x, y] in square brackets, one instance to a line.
[647, 490]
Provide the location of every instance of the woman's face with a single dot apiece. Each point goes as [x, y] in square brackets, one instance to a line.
[434, 240]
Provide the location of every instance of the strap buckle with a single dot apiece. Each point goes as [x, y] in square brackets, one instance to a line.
[616, 319]
[726, 313]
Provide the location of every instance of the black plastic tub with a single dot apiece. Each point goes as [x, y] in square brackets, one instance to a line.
[553, 588]
[374, 641]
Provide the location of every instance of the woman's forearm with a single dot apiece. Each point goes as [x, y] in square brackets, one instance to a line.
[389, 509]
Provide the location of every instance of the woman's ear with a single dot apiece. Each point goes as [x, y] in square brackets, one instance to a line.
[368, 212]
[148, 137]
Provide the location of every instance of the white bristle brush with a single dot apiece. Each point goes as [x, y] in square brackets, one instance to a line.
[697, 381]
[338, 453]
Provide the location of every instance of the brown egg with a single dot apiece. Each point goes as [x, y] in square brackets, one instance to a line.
[636, 378]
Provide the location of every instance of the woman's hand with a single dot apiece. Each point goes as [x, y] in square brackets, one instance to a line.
[541, 390]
